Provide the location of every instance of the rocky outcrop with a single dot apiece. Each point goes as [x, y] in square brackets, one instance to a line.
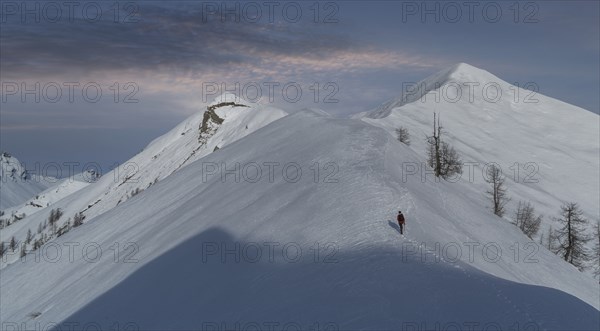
[224, 104]
[210, 124]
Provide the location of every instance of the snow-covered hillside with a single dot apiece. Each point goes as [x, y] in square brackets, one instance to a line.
[47, 198]
[547, 149]
[202, 249]
[16, 184]
[225, 120]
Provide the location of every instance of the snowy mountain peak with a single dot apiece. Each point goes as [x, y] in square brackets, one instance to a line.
[461, 76]
[534, 138]
[226, 120]
[463, 72]
[462, 66]
[11, 168]
[16, 183]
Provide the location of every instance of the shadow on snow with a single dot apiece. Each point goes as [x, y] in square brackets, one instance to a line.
[186, 288]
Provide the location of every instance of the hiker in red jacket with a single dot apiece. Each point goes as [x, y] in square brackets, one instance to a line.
[401, 222]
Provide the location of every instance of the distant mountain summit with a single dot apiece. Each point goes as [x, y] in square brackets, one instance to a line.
[547, 149]
[225, 120]
[11, 168]
[16, 183]
[461, 80]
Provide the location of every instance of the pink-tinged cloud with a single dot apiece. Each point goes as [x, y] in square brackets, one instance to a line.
[346, 61]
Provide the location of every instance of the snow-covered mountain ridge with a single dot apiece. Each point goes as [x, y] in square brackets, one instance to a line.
[16, 183]
[201, 134]
[547, 149]
[366, 276]
[317, 245]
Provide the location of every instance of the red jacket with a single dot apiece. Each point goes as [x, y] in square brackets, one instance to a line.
[400, 219]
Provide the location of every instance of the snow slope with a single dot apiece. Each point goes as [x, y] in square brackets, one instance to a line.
[192, 139]
[63, 188]
[338, 261]
[16, 184]
[555, 144]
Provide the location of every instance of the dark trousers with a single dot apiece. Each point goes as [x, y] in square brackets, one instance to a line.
[401, 228]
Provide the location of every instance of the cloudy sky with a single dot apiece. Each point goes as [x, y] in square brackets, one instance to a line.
[155, 63]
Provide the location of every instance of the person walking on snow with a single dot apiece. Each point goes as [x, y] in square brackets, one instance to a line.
[401, 222]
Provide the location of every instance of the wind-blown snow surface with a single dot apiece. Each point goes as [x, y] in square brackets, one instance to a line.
[555, 144]
[16, 184]
[365, 276]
